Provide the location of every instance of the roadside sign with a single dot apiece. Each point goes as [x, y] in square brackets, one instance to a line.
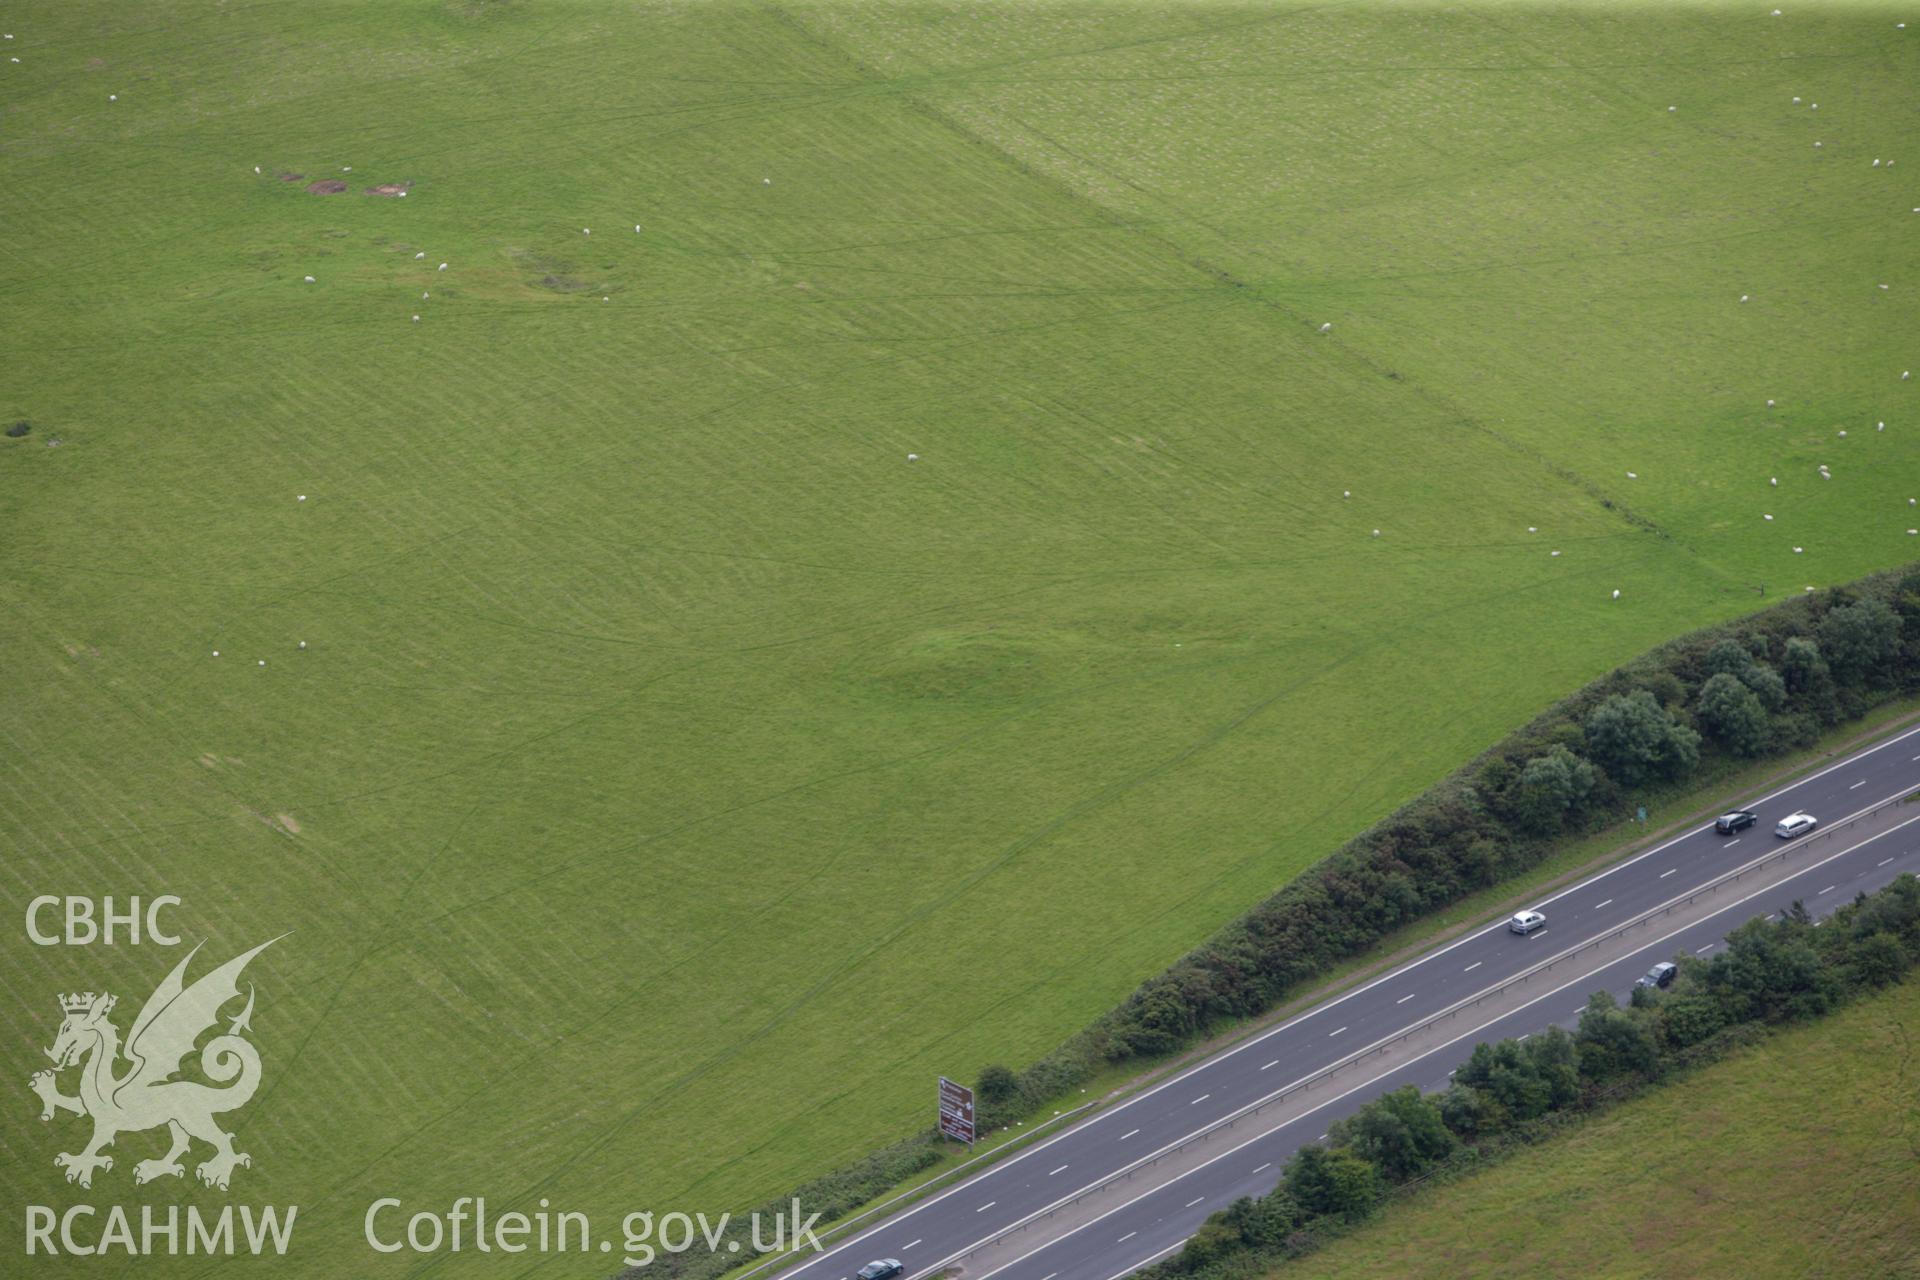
[956, 1111]
[1643, 813]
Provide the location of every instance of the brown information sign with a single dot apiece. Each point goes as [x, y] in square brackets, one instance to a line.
[956, 1111]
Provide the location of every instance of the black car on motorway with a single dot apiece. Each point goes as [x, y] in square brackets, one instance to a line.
[880, 1269]
[1739, 820]
[1661, 975]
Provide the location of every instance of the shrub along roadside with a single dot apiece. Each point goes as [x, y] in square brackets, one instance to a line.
[1510, 1093]
[1810, 663]
[1791, 671]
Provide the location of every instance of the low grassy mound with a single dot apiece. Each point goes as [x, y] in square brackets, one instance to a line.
[664, 776]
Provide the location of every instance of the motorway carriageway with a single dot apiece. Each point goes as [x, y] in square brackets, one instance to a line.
[935, 1232]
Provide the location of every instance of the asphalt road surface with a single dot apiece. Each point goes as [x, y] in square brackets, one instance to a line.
[1105, 1243]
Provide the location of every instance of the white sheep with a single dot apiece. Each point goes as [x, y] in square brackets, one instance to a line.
[311, 280]
[1616, 593]
[913, 457]
[1326, 328]
[443, 266]
[1376, 533]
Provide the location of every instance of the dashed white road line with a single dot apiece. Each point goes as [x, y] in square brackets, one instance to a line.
[1475, 965]
[910, 1244]
[988, 1205]
[1736, 840]
[1263, 1168]
[1607, 903]
[1332, 1034]
[1404, 999]
[1051, 1172]
[1202, 1098]
[1856, 786]
[1274, 1063]
[1829, 889]
[1703, 950]
[1123, 1239]
[1196, 1200]
[1128, 1134]
[1883, 862]
[1665, 874]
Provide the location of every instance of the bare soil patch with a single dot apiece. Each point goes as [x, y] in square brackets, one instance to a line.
[326, 187]
[292, 177]
[389, 189]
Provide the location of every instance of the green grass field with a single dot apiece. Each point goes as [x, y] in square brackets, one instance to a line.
[1789, 1160]
[676, 778]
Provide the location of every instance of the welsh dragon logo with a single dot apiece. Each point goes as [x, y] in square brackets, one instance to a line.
[146, 1095]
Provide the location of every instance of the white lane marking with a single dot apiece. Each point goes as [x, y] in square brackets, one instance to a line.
[1203, 1065]
[1856, 786]
[1274, 1063]
[1523, 1037]
[911, 1244]
[1404, 999]
[1263, 1168]
[1829, 889]
[1475, 965]
[1883, 862]
[1128, 1134]
[1607, 903]
[1196, 1200]
[971, 1183]
[1665, 874]
[1470, 1031]
[988, 1205]
[1123, 1239]
[1700, 951]
[1202, 1098]
[1736, 840]
[1332, 1034]
[1132, 1267]
[1054, 1171]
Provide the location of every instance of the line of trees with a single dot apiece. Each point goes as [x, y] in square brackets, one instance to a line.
[1513, 1091]
[1711, 700]
[1791, 671]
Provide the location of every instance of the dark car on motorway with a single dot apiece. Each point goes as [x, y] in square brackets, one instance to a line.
[880, 1269]
[1739, 820]
[1661, 975]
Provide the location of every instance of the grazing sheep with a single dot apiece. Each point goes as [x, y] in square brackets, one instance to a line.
[1766, 517]
[311, 280]
[1616, 593]
[913, 457]
[1376, 533]
[1326, 328]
